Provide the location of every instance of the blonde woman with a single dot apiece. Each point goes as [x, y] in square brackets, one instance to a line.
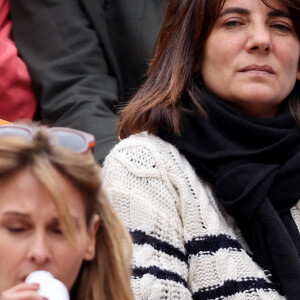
[55, 217]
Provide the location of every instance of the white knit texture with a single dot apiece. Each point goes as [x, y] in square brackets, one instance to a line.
[185, 245]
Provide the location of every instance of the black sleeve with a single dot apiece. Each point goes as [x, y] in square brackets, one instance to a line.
[68, 66]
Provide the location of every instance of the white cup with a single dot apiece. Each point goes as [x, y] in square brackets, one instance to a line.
[50, 288]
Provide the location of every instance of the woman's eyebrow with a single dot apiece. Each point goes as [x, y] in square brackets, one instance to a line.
[55, 221]
[244, 11]
[238, 10]
[279, 13]
[15, 214]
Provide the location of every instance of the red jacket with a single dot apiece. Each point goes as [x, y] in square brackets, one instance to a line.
[17, 99]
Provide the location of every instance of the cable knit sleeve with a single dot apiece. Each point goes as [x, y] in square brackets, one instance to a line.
[137, 183]
[185, 245]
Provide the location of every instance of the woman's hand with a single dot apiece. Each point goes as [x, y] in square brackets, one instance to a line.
[22, 291]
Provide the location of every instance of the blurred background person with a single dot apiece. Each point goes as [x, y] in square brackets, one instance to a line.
[86, 58]
[17, 99]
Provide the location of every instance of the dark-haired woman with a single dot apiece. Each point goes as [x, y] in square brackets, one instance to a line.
[208, 181]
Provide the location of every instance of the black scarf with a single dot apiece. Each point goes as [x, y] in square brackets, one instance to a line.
[254, 167]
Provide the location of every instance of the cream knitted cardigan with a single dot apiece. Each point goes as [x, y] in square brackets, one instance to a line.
[185, 246]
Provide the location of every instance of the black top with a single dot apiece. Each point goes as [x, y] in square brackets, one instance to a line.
[254, 167]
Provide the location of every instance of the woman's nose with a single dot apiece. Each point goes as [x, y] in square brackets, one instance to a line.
[39, 251]
[259, 40]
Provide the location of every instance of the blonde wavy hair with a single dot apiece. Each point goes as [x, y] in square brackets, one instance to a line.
[107, 276]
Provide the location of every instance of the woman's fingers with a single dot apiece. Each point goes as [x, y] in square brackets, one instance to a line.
[22, 291]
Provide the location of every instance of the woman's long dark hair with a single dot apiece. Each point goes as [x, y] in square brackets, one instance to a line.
[178, 51]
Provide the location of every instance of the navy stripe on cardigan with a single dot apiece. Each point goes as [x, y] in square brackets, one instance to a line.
[141, 238]
[212, 243]
[231, 287]
[159, 273]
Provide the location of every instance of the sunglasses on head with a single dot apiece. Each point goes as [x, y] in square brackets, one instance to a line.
[73, 139]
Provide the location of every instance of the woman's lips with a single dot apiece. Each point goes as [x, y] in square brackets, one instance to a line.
[258, 69]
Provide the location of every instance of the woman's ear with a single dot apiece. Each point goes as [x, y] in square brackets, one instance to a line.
[91, 241]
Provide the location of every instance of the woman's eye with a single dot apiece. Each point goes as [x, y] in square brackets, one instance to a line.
[232, 24]
[281, 27]
[16, 229]
[57, 230]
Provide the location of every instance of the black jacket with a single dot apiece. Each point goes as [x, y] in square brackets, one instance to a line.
[86, 58]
